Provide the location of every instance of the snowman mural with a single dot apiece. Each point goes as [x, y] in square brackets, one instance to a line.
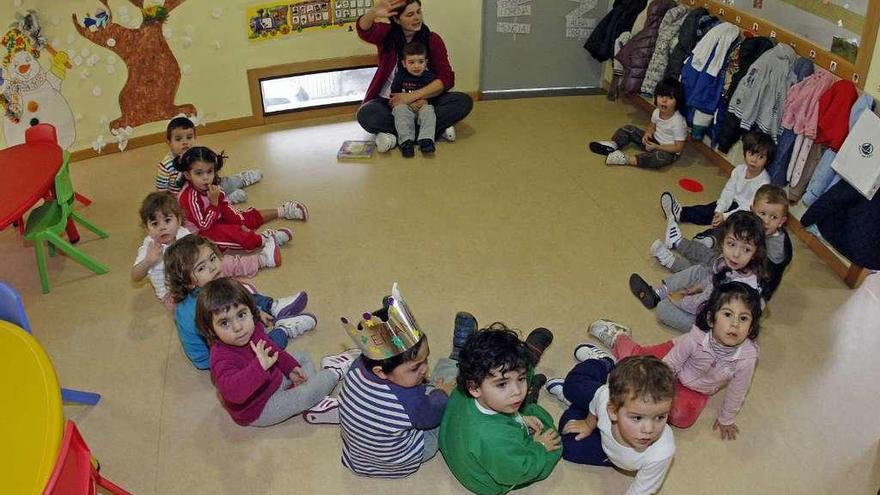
[30, 95]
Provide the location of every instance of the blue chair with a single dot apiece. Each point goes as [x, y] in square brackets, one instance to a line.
[12, 310]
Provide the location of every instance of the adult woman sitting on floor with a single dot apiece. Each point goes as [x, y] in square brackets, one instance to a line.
[405, 25]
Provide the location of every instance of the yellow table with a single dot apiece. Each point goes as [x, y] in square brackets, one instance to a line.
[31, 418]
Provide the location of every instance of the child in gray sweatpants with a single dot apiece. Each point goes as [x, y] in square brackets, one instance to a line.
[412, 75]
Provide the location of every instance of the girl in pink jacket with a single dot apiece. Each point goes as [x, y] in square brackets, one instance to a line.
[719, 351]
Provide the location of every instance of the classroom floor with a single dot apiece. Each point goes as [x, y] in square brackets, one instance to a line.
[516, 222]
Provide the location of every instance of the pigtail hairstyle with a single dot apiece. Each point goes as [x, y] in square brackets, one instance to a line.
[184, 162]
[220, 295]
[179, 259]
[747, 227]
[725, 293]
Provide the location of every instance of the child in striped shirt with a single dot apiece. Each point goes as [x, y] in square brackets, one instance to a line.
[180, 134]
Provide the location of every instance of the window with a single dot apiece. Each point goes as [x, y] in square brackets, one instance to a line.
[315, 90]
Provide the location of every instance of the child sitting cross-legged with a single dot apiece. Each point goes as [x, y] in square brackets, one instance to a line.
[190, 264]
[771, 206]
[719, 352]
[743, 259]
[258, 382]
[492, 441]
[389, 412]
[161, 215]
[617, 415]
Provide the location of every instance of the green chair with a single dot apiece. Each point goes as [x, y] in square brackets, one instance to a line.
[47, 221]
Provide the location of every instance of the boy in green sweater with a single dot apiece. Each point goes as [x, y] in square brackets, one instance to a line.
[491, 443]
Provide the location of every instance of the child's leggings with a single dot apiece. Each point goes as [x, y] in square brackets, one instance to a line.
[648, 159]
[234, 236]
[687, 404]
[579, 387]
[288, 402]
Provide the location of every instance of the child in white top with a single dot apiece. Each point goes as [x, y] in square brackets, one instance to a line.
[617, 416]
[738, 193]
[161, 215]
[662, 142]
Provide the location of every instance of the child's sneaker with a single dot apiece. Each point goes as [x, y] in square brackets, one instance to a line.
[554, 388]
[251, 177]
[584, 352]
[325, 412]
[297, 325]
[465, 326]
[670, 206]
[643, 291]
[286, 307]
[449, 134]
[281, 236]
[408, 149]
[673, 234]
[706, 238]
[607, 331]
[293, 210]
[616, 158]
[385, 142]
[662, 253]
[270, 255]
[340, 362]
[538, 341]
[604, 148]
[426, 146]
[237, 196]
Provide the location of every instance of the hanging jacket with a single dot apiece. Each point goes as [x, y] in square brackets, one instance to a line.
[636, 54]
[824, 177]
[801, 112]
[849, 222]
[729, 130]
[620, 19]
[760, 96]
[667, 38]
[834, 108]
[701, 75]
[697, 22]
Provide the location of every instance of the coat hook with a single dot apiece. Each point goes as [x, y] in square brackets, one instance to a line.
[772, 34]
[813, 54]
[833, 66]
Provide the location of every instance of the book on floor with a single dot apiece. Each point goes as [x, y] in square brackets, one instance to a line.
[356, 150]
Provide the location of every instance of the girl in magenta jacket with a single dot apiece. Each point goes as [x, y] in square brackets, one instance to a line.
[258, 382]
[718, 352]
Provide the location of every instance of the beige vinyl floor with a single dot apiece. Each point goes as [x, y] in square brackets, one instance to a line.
[515, 221]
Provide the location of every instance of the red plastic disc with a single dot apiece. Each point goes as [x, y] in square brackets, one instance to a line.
[690, 185]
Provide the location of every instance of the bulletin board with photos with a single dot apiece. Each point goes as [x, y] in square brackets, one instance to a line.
[280, 19]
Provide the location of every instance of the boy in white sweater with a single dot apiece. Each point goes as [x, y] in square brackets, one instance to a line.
[738, 193]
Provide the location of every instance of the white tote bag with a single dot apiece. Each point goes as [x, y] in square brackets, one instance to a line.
[858, 160]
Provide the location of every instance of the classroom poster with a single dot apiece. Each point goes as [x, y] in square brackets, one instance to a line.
[280, 19]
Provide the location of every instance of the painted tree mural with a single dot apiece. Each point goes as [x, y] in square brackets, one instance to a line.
[153, 71]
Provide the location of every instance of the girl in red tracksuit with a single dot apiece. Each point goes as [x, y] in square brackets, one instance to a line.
[205, 205]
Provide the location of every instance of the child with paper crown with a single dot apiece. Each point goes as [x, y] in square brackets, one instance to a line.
[389, 416]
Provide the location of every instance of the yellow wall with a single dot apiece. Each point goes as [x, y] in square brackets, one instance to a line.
[216, 83]
[872, 84]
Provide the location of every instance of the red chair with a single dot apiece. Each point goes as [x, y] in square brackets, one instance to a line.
[75, 472]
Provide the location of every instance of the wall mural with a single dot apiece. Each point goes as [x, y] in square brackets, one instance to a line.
[153, 71]
[30, 95]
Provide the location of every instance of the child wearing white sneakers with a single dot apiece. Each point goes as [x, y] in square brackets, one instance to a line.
[663, 141]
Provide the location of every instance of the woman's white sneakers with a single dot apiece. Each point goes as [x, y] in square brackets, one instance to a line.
[385, 142]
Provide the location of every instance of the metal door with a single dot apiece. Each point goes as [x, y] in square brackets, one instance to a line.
[535, 47]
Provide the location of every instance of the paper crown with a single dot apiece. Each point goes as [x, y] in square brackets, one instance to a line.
[15, 41]
[381, 338]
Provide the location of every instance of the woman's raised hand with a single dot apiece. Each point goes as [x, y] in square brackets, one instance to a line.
[385, 8]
